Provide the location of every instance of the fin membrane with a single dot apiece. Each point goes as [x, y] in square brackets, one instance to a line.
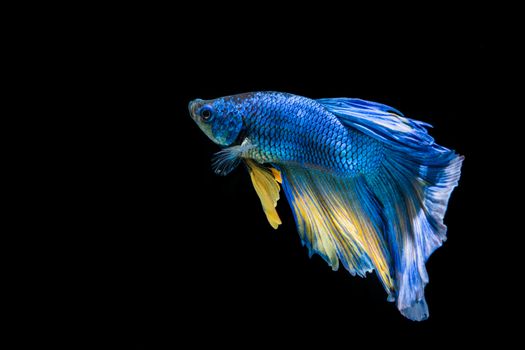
[413, 187]
[381, 122]
[266, 183]
[226, 160]
[339, 219]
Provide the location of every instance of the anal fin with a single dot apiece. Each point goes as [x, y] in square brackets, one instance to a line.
[339, 219]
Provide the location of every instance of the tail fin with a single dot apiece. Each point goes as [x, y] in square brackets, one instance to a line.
[413, 187]
[415, 192]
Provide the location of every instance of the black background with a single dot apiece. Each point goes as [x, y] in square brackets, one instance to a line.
[185, 255]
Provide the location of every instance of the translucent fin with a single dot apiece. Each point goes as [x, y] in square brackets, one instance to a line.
[413, 187]
[415, 193]
[382, 122]
[339, 219]
[357, 103]
[266, 183]
[226, 160]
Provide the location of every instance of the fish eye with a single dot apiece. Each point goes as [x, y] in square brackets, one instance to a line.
[206, 113]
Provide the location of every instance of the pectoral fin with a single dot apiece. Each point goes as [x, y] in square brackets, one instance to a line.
[229, 158]
[266, 183]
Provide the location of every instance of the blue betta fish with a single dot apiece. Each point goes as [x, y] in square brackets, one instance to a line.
[367, 186]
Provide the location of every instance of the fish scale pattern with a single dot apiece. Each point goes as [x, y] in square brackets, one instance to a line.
[368, 187]
[293, 129]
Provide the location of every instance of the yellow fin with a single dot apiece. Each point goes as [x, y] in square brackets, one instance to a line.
[266, 184]
[336, 220]
[277, 174]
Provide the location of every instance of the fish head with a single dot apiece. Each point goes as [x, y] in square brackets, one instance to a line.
[220, 119]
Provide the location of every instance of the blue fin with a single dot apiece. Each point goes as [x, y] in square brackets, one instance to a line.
[339, 219]
[379, 121]
[358, 103]
[413, 187]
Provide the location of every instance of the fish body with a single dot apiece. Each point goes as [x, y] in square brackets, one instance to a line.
[292, 129]
[367, 186]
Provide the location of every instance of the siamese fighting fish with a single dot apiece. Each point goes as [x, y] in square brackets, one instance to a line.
[368, 187]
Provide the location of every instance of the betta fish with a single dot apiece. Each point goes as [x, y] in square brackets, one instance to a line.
[367, 186]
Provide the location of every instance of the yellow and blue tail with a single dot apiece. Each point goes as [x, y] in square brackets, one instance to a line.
[413, 189]
[390, 221]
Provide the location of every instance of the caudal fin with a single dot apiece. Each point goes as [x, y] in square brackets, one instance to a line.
[415, 191]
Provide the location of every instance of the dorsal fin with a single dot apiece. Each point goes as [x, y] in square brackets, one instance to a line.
[381, 122]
